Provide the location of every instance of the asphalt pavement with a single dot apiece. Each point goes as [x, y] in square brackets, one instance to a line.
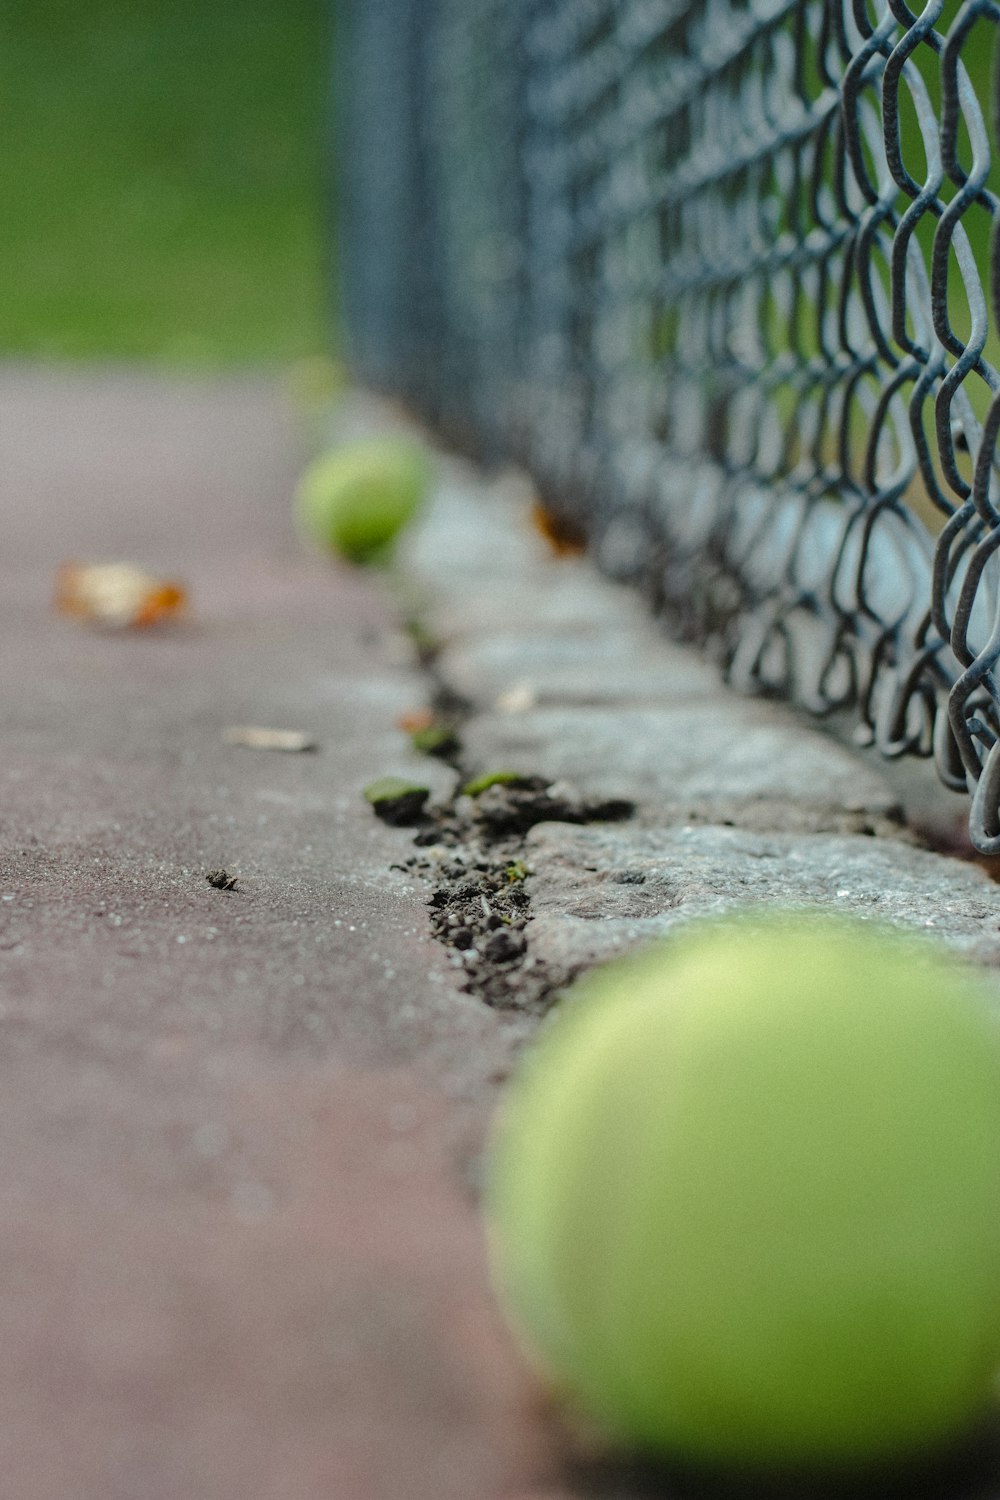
[240, 1257]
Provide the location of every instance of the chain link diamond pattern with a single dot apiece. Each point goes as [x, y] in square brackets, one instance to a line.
[723, 274]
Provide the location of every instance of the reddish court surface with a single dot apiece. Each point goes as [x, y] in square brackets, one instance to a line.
[239, 1258]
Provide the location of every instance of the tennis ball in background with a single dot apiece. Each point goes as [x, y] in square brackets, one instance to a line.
[314, 383]
[744, 1198]
[357, 498]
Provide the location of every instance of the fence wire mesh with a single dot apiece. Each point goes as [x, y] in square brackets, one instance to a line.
[723, 274]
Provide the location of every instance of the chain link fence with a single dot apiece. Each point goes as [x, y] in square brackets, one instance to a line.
[722, 274]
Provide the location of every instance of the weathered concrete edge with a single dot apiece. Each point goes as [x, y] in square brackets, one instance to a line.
[739, 802]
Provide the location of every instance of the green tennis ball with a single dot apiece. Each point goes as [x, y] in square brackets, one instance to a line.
[314, 383]
[356, 499]
[744, 1197]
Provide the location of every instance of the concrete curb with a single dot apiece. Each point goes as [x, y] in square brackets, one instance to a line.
[739, 802]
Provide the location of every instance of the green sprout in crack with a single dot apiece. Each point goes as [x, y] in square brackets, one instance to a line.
[425, 643]
[395, 800]
[435, 739]
[516, 870]
[480, 784]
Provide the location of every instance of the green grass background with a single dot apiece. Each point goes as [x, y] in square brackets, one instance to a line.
[161, 179]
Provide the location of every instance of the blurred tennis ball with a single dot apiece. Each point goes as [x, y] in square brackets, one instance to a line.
[314, 382]
[744, 1197]
[356, 499]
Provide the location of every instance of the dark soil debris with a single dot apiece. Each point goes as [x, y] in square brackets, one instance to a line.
[397, 801]
[471, 852]
[470, 848]
[482, 915]
[517, 806]
[222, 880]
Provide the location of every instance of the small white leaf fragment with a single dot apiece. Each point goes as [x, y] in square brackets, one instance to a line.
[253, 738]
[519, 698]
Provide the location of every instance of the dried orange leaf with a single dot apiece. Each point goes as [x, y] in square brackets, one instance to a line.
[118, 596]
[415, 720]
[565, 536]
